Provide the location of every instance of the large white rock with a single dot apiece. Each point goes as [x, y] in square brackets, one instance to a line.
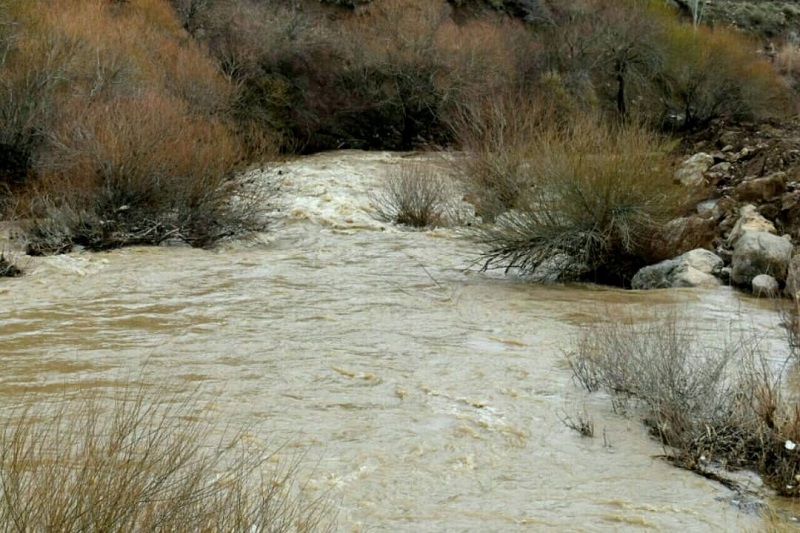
[749, 220]
[691, 172]
[765, 285]
[759, 252]
[696, 268]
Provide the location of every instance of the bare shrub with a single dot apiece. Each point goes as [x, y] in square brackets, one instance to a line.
[139, 171]
[78, 465]
[721, 407]
[32, 72]
[391, 75]
[589, 200]
[658, 362]
[497, 133]
[707, 74]
[115, 128]
[414, 196]
[580, 422]
[642, 62]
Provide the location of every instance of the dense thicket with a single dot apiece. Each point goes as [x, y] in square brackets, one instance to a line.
[115, 126]
[393, 74]
[122, 122]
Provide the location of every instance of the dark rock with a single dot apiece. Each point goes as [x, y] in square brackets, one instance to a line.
[761, 189]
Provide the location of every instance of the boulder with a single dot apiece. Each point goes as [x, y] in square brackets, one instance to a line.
[749, 220]
[722, 168]
[718, 172]
[557, 268]
[761, 189]
[760, 252]
[745, 153]
[691, 171]
[688, 233]
[696, 268]
[765, 285]
[710, 209]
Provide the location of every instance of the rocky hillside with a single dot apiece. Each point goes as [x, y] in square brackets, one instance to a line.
[771, 19]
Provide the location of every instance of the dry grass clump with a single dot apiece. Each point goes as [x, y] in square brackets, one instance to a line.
[712, 407]
[585, 199]
[414, 196]
[139, 466]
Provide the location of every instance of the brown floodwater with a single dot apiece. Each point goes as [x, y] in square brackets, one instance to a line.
[426, 395]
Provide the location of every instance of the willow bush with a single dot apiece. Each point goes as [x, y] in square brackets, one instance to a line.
[115, 129]
[589, 200]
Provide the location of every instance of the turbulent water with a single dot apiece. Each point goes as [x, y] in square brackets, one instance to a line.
[427, 396]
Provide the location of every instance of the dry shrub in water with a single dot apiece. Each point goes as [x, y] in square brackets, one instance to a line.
[588, 201]
[712, 407]
[79, 465]
[414, 196]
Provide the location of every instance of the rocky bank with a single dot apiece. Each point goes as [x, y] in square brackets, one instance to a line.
[747, 218]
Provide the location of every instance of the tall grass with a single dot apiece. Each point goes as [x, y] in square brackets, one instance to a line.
[711, 406]
[142, 464]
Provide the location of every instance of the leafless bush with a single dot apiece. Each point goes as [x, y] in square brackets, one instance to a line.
[29, 83]
[77, 465]
[496, 133]
[580, 422]
[712, 407]
[139, 171]
[414, 196]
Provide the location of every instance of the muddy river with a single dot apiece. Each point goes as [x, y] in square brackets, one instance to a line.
[426, 395]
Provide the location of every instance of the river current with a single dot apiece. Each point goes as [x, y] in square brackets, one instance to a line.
[425, 394]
